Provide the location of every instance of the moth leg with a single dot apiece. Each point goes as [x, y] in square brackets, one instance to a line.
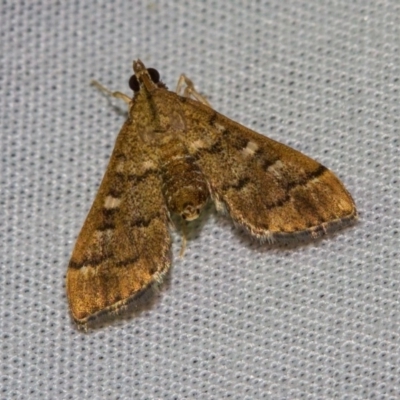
[189, 90]
[117, 95]
[178, 224]
[183, 244]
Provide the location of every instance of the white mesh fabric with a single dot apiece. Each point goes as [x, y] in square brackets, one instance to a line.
[235, 319]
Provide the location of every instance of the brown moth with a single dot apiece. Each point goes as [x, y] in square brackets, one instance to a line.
[174, 153]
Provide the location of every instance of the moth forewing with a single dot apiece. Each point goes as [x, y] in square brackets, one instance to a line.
[267, 187]
[172, 153]
[124, 245]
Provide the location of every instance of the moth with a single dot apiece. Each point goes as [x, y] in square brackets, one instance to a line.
[172, 155]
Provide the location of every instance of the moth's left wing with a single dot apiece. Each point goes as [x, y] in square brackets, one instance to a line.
[124, 244]
[265, 186]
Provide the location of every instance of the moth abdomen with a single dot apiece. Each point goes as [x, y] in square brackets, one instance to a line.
[184, 187]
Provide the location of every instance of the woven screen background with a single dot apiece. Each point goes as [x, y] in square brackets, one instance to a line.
[234, 319]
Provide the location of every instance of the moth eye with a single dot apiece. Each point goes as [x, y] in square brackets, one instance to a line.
[154, 75]
[134, 83]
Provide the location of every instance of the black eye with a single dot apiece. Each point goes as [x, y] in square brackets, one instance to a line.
[134, 84]
[154, 75]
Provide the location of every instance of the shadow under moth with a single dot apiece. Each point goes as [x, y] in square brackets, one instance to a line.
[173, 153]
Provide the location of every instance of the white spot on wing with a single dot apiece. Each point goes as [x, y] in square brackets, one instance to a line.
[149, 164]
[219, 127]
[178, 157]
[120, 167]
[103, 234]
[250, 149]
[197, 145]
[111, 202]
[86, 270]
[275, 168]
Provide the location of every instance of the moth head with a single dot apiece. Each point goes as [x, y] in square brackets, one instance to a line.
[147, 77]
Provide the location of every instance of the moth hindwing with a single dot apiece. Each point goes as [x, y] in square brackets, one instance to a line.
[173, 153]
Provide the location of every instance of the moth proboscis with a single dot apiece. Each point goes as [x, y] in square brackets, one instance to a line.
[173, 153]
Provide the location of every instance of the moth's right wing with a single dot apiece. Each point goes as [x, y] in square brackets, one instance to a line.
[124, 244]
[269, 188]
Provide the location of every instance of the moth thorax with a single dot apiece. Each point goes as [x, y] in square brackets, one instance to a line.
[185, 189]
